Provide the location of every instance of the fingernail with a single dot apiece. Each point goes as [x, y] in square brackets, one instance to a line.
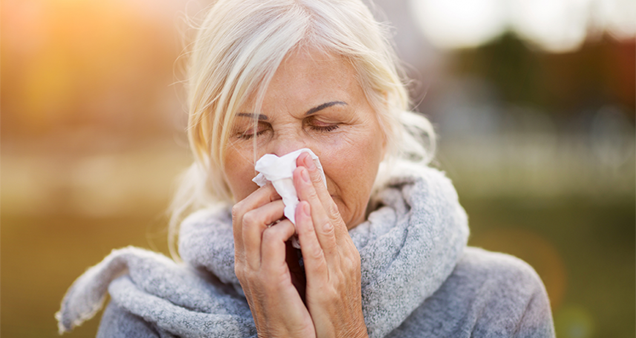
[309, 163]
[327, 227]
[305, 175]
[306, 209]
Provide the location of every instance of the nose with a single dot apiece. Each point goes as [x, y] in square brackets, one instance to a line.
[286, 142]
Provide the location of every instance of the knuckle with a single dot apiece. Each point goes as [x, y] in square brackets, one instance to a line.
[249, 218]
[337, 220]
[239, 271]
[236, 210]
[333, 210]
[269, 235]
[351, 262]
[312, 194]
[327, 228]
[315, 253]
[315, 176]
[348, 265]
[334, 213]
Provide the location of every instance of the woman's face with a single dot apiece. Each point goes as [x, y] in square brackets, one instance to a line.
[313, 101]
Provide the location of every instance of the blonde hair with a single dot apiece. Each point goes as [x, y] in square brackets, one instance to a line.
[236, 52]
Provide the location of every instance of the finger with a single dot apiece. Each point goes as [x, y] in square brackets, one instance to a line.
[322, 223]
[261, 196]
[305, 160]
[273, 246]
[255, 222]
[326, 200]
[313, 255]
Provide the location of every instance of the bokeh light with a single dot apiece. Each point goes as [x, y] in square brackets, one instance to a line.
[552, 25]
[460, 23]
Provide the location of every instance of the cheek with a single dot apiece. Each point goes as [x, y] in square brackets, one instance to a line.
[239, 171]
[352, 166]
[353, 177]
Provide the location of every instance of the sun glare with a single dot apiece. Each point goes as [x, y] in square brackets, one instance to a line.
[553, 25]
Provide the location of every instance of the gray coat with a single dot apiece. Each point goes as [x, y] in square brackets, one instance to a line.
[487, 295]
[418, 278]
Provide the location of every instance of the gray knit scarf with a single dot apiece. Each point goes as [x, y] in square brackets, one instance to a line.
[408, 246]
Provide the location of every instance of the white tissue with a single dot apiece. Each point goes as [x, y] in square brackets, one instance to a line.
[280, 171]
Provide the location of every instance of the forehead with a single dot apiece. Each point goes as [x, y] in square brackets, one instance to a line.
[309, 77]
[314, 67]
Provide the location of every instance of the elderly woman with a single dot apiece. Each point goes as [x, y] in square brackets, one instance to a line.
[382, 238]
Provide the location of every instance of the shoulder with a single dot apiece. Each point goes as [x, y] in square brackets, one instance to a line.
[500, 271]
[502, 295]
[487, 295]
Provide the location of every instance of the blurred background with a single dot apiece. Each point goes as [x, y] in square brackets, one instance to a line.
[533, 100]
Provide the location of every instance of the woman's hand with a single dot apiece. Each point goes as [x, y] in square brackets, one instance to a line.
[260, 265]
[331, 260]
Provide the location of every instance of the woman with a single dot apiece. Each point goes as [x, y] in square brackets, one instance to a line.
[382, 237]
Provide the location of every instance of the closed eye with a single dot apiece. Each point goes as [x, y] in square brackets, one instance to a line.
[315, 124]
[325, 129]
[249, 135]
[257, 131]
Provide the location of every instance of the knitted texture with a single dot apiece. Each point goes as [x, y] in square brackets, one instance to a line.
[418, 277]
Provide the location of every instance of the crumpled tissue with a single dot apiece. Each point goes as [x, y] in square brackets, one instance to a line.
[280, 171]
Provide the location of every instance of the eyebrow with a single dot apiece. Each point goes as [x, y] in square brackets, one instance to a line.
[323, 106]
[313, 110]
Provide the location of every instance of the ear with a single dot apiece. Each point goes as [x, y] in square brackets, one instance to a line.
[385, 140]
[385, 145]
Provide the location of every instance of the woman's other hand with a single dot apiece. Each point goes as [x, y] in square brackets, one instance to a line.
[260, 265]
[331, 260]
